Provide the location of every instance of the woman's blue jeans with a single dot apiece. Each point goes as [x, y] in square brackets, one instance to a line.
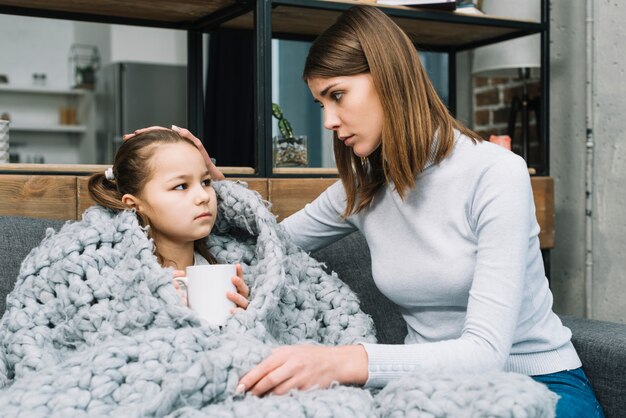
[576, 397]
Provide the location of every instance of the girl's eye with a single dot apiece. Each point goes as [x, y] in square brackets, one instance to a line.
[180, 187]
[206, 183]
[337, 95]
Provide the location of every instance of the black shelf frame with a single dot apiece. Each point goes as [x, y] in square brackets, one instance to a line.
[264, 35]
[262, 16]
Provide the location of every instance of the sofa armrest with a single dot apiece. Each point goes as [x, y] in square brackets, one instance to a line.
[602, 349]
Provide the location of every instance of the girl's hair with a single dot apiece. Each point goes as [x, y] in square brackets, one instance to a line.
[365, 40]
[132, 170]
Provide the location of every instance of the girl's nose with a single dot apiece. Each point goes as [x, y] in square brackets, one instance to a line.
[202, 196]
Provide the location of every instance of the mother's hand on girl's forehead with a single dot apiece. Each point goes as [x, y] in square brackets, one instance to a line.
[185, 133]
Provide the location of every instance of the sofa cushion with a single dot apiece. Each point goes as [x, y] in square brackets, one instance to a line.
[350, 258]
[18, 237]
[602, 349]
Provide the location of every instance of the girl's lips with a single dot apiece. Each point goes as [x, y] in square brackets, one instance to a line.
[203, 216]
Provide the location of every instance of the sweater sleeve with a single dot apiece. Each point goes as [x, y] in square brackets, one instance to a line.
[501, 214]
[320, 223]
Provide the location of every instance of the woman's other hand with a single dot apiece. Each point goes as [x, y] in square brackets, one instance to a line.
[241, 297]
[306, 366]
[213, 170]
[180, 288]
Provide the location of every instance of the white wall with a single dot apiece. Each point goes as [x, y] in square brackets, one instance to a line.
[30, 45]
[567, 147]
[97, 34]
[567, 152]
[139, 44]
[610, 162]
[35, 45]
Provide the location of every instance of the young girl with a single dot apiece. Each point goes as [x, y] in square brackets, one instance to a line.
[165, 180]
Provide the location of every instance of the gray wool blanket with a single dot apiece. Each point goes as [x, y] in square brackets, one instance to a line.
[94, 327]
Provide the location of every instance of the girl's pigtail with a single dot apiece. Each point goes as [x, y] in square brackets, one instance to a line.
[105, 193]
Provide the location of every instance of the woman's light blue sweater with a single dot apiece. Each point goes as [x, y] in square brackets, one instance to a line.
[460, 257]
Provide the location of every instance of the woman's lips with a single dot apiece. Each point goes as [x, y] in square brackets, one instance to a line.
[347, 140]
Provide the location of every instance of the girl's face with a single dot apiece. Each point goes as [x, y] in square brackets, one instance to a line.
[178, 200]
[352, 109]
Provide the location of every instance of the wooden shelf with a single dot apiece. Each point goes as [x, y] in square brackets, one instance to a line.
[48, 128]
[61, 194]
[157, 11]
[41, 90]
[427, 28]
[308, 171]
[16, 168]
[305, 18]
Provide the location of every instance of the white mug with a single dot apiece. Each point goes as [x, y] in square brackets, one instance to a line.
[206, 291]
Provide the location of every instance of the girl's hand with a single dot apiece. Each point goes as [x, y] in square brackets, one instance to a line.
[241, 297]
[213, 170]
[304, 367]
[180, 289]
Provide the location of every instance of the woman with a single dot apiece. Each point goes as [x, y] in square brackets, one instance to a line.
[449, 220]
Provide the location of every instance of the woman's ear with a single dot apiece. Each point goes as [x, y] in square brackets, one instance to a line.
[131, 201]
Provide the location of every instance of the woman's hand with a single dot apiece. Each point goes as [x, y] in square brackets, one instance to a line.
[241, 297]
[306, 366]
[180, 289]
[213, 170]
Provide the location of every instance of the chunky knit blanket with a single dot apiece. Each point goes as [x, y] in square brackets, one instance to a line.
[94, 327]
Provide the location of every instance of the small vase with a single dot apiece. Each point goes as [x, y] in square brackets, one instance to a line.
[290, 152]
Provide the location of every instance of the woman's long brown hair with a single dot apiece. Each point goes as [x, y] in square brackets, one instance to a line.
[365, 40]
[132, 170]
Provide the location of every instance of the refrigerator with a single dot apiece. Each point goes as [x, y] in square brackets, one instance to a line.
[136, 95]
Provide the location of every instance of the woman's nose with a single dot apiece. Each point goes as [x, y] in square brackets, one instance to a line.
[331, 121]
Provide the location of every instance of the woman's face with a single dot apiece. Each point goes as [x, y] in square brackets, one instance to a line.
[352, 109]
[178, 200]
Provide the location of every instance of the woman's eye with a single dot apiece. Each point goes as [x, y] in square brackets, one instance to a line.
[337, 95]
[206, 183]
[180, 187]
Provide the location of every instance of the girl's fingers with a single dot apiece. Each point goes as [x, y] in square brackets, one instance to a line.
[240, 284]
[180, 288]
[238, 299]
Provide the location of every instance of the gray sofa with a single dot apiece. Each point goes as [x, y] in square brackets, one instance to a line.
[601, 345]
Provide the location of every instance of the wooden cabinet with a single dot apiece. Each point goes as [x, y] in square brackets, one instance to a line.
[58, 196]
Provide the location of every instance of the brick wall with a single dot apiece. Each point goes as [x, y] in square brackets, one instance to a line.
[492, 107]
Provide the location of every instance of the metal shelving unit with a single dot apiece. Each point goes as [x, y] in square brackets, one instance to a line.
[430, 30]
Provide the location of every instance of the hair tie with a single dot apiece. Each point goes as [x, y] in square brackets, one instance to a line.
[108, 174]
